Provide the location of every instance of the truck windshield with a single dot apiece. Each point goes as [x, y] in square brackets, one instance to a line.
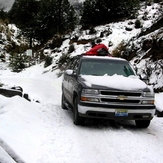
[106, 67]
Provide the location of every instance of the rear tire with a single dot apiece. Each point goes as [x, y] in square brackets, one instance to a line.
[77, 119]
[63, 101]
[142, 123]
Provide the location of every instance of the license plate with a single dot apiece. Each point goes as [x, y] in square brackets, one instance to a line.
[121, 112]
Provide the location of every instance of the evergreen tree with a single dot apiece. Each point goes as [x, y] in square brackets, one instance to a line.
[123, 8]
[88, 15]
[3, 14]
[23, 14]
[43, 19]
[45, 28]
[55, 17]
[96, 12]
[102, 11]
[65, 17]
[18, 62]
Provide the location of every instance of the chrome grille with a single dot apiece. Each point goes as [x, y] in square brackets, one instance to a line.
[117, 100]
[118, 93]
[120, 96]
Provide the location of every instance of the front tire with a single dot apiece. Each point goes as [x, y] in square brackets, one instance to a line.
[142, 123]
[63, 101]
[77, 119]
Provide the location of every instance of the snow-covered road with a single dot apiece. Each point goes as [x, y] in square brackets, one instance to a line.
[44, 133]
[96, 143]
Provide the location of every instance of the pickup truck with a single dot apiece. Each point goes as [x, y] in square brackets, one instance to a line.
[106, 88]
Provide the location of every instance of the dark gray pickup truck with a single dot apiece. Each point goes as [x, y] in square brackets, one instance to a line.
[106, 88]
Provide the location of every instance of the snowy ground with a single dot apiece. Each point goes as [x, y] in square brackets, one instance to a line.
[44, 133]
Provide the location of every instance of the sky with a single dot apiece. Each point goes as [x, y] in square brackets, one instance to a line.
[40, 131]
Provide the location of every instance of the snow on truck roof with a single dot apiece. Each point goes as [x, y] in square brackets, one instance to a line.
[104, 57]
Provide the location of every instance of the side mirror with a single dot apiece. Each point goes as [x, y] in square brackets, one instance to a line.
[70, 72]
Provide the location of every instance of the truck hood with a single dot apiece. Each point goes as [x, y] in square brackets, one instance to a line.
[114, 82]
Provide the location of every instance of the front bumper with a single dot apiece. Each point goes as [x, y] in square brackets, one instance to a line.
[116, 113]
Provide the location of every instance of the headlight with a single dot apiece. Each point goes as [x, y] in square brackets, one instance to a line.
[148, 94]
[90, 91]
[88, 95]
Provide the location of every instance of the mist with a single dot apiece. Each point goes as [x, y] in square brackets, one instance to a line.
[6, 4]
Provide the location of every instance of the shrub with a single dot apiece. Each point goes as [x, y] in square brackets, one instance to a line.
[127, 28]
[145, 16]
[1, 84]
[119, 50]
[48, 61]
[55, 42]
[18, 62]
[71, 48]
[138, 24]
[92, 31]
[63, 60]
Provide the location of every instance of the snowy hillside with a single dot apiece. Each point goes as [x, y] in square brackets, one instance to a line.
[142, 48]
[134, 44]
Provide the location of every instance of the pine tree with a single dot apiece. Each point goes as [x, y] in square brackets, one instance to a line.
[96, 12]
[44, 18]
[88, 15]
[18, 62]
[102, 11]
[23, 14]
[123, 8]
[3, 14]
[64, 15]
